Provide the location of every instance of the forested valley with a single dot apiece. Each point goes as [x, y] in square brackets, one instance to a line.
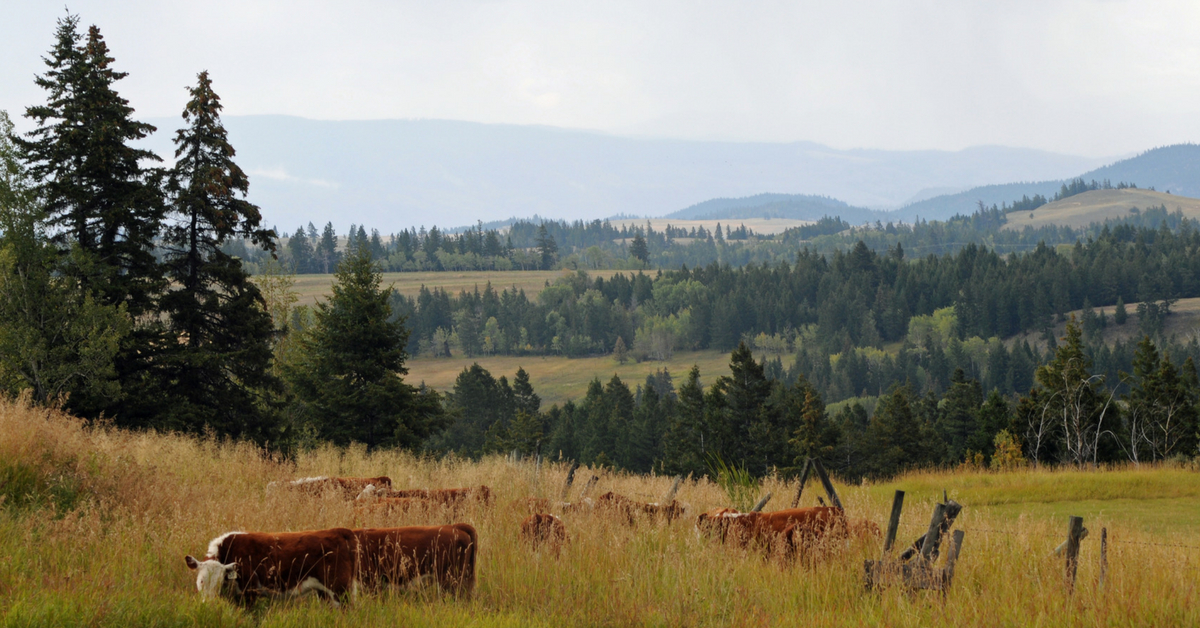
[155, 298]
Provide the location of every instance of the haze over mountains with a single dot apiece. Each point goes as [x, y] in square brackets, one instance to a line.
[399, 173]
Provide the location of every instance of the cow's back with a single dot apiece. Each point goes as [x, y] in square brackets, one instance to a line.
[398, 555]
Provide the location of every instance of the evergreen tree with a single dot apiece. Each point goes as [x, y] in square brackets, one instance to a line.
[993, 418]
[90, 181]
[350, 373]
[547, 247]
[959, 414]
[639, 250]
[684, 443]
[302, 252]
[816, 437]
[1075, 399]
[896, 432]
[326, 249]
[745, 392]
[1120, 315]
[525, 400]
[218, 376]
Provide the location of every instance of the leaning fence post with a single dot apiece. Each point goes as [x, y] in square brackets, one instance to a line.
[893, 523]
[570, 480]
[833, 497]
[1103, 555]
[674, 489]
[1074, 534]
[933, 536]
[762, 502]
[803, 479]
[955, 546]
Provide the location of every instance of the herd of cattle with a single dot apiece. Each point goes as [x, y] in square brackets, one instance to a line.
[338, 562]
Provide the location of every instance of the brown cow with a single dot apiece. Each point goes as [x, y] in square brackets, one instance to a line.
[284, 563]
[448, 496]
[765, 527]
[544, 529]
[398, 556]
[632, 509]
[346, 487]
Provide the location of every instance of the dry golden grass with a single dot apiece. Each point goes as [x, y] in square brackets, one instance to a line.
[1083, 209]
[1183, 323]
[557, 379]
[309, 288]
[138, 502]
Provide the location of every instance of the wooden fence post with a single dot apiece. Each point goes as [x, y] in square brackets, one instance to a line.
[955, 546]
[803, 479]
[934, 535]
[1074, 534]
[833, 497]
[893, 523]
[570, 480]
[1103, 555]
[674, 489]
[762, 502]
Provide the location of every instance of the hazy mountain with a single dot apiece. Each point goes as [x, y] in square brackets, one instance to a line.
[1174, 168]
[397, 173]
[794, 206]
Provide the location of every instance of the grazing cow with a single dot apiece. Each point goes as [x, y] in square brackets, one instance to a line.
[765, 527]
[632, 509]
[396, 505]
[399, 556]
[346, 487]
[249, 564]
[543, 529]
[448, 496]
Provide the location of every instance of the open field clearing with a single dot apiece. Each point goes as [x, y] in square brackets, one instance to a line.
[1083, 209]
[557, 379]
[1183, 323]
[311, 287]
[763, 226]
[95, 523]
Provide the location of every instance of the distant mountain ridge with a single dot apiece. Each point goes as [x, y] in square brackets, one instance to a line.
[392, 174]
[1174, 168]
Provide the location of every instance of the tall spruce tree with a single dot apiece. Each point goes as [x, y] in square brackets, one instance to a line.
[218, 374]
[90, 181]
[350, 370]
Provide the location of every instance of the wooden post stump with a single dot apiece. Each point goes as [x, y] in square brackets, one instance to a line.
[916, 566]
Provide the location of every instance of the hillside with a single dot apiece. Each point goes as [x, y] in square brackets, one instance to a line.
[1096, 206]
[1171, 168]
[785, 206]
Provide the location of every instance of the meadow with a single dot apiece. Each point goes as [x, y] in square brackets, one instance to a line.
[557, 379]
[95, 523]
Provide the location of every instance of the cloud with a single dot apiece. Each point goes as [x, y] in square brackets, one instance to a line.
[279, 173]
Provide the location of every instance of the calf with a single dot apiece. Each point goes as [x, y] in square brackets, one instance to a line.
[632, 509]
[765, 527]
[543, 529]
[398, 556]
[346, 487]
[248, 564]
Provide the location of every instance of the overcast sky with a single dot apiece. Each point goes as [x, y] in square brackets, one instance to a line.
[1081, 77]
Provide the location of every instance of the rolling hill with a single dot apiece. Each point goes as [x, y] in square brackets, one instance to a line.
[1170, 168]
[1083, 209]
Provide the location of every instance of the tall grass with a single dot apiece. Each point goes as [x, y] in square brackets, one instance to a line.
[94, 529]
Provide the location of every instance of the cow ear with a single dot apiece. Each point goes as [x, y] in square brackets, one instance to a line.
[192, 563]
[231, 571]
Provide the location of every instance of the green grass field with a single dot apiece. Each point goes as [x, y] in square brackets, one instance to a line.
[94, 524]
[309, 288]
[557, 379]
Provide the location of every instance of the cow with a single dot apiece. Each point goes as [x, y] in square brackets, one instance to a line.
[544, 529]
[245, 565]
[400, 556]
[346, 487]
[766, 527]
[631, 510]
[447, 496]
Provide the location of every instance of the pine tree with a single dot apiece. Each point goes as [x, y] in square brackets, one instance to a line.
[218, 376]
[684, 443]
[620, 351]
[745, 391]
[546, 246]
[639, 250]
[351, 368]
[94, 191]
[326, 249]
[816, 437]
[1120, 315]
[525, 400]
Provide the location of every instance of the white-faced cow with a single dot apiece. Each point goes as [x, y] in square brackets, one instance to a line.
[398, 556]
[245, 565]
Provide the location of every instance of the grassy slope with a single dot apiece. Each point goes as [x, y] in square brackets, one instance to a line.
[558, 379]
[1099, 205]
[1183, 323]
[139, 502]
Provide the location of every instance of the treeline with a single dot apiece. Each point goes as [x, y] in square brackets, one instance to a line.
[121, 296]
[1068, 414]
[856, 299]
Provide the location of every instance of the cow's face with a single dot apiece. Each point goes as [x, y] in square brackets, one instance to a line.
[211, 575]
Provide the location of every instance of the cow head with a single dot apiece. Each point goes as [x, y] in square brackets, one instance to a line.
[211, 576]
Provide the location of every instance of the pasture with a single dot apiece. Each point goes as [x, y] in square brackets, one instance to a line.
[95, 522]
[557, 379]
[1084, 209]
